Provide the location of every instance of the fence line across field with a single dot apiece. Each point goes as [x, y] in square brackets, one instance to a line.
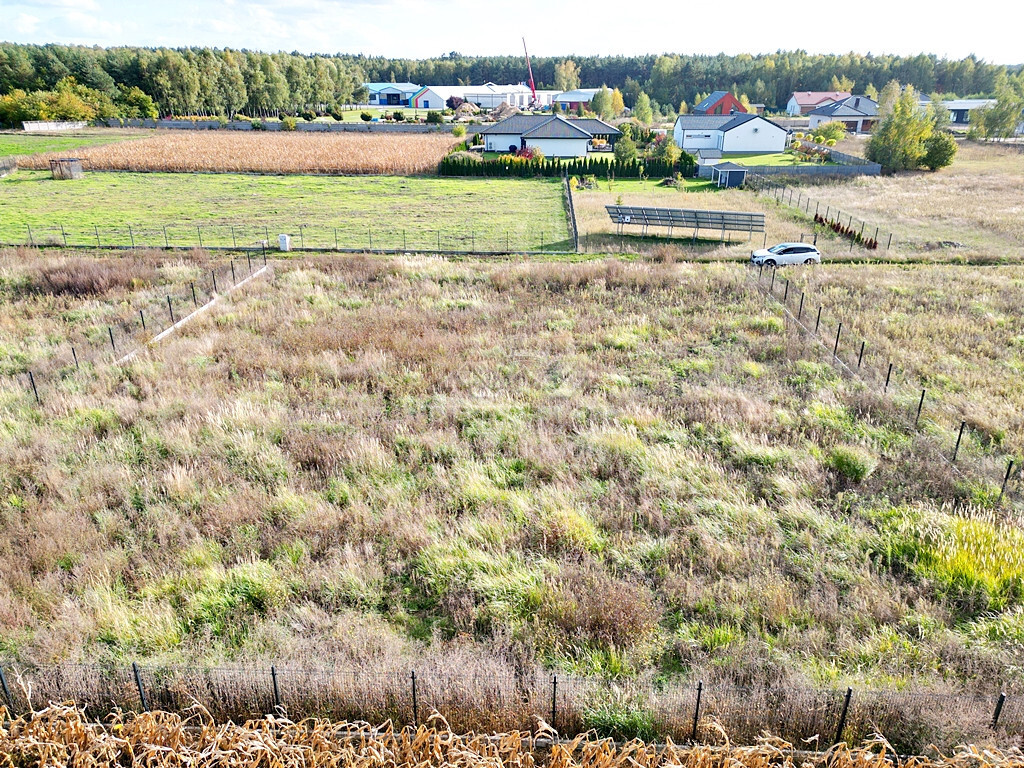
[509, 701]
[831, 215]
[303, 237]
[117, 341]
[891, 381]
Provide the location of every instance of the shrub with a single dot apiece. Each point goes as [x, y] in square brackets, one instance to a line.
[852, 462]
[337, 115]
[458, 131]
[434, 117]
[308, 115]
[464, 157]
[365, 117]
[239, 117]
[398, 116]
[288, 123]
[257, 125]
[831, 130]
[939, 150]
[625, 150]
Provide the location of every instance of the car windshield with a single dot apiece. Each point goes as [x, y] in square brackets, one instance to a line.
[778, 248]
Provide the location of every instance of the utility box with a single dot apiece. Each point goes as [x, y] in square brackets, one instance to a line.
[284, 242]
[67, 168]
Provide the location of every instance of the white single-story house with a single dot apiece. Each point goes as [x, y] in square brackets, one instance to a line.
[858, 113]
[390, 94]
[554, 135]
[740, 133]
[486, 96]
[960, 109]
[805, 102]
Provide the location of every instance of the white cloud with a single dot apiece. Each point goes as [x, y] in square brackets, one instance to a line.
[25, 24]
[80, 5]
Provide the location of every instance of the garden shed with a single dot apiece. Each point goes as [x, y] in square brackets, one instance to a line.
[728, 174]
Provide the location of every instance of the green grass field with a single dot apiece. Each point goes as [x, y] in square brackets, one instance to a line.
[13, 144]
[369, 211]
[770, 158]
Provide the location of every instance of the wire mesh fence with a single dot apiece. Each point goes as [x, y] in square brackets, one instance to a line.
[135, 323]
[940, 429]
[381, 236]
[503, 702]
[843, 223]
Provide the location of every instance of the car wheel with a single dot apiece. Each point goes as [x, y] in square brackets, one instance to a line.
[770, 263]
[810, 261]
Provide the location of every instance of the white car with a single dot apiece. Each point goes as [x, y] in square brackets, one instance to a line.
[786, 253]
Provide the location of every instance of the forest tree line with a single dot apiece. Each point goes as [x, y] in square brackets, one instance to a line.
[209, 81]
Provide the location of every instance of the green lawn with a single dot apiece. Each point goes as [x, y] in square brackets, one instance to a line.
[31, 144]
[376, 211]
[770, 158]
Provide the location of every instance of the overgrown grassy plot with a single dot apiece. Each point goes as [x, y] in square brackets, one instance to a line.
[607, 468]
[318, 211]
[971, 209]
[956, 332]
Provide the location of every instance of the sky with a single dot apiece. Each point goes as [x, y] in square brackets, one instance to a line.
[425, 28]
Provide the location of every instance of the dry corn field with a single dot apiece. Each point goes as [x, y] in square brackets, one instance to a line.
[61, 736]
[271, 152]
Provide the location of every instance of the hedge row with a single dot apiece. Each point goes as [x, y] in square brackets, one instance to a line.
[523, 167]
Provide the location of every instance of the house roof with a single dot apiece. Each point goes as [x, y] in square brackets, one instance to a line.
[550, 127]
[557, 127]
[812, 98]
[595, 127]
[580, 94]
[709, 154]
[721, 123]
[713, 98]
[852, 105]
[398, 86]
[959, 104]
[727, 166]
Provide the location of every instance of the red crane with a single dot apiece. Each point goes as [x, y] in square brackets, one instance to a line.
[529, 71]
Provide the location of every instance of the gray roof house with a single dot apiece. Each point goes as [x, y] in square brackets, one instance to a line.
[738, 134]
[554, 135]
[859, 113]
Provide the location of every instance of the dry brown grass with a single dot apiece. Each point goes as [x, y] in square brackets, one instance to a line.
[270, 152]
[61, 735]
[978, 202]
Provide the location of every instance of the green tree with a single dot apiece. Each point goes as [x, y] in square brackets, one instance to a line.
[642, 110]
[134, 102]
[938, 113]
[939, 150]
[1000, 120]
[666, 149]
[831, 130]
[567, 75]
[871, 92]
[625, 149]
[601, 104]
[684, 108]
[842, 84]
[898, 143]
[618, 105]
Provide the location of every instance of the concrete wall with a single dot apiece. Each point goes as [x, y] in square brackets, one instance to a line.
[332, 127]
[692, 140]
[52, 127]
[500, 142]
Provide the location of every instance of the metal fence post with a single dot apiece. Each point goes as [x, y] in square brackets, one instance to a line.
[110, 332]
[195, 302]
[214, 273]
[771, 287]
[7, 691]
[166, 242]
[277, 693]
[170, 309]
[999, 709]
[233, 280]
[920, 405]
[142, 317]
[554, 700]
[131, 235]
[74, 355]
[835, 349]
[35, 392]
[888, 376]
[138, 682]
[696, 711]
[415, 703]
[800, 312]
[842, 717]
[1006, 479]
[959, 437]
[817, 322]
[860, 357]
[200, 231]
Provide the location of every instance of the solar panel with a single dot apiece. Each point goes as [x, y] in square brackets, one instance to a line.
[688, 218]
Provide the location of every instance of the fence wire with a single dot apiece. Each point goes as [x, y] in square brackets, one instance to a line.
[501, 702]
